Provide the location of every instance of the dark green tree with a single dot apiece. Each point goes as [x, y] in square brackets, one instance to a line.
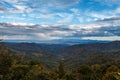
[61, 71]
[5, 62]
[109, 76]
[85, 73]
[17, 72]
[111, 73]
[37, 72]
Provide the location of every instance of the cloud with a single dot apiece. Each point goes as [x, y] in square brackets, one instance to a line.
[66, 19]
[43, 16]
[35, 10]
[59, 31]
[56, 11]
[86, 16]
[59, 19]
[110, 38]
[109, 2]
[15, 37]
[29, 5]
[110, 19]
[64, 3]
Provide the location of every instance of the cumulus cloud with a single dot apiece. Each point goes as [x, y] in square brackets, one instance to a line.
[95, 31]
[56, 19]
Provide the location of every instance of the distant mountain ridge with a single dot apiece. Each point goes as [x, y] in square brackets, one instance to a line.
[89, 49]
[97, 53]
[49, 48]
[115, 45]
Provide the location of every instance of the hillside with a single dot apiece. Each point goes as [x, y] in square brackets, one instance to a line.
[98, 53]
[73, 55]
[47, 54]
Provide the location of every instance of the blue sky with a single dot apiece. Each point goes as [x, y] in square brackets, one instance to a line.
[78, 19]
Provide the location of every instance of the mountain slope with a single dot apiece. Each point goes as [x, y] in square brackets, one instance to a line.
[98, 53]
[73, 55]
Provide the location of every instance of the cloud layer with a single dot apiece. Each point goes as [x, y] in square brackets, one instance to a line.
[58, 11]
[108, 29]
[59, 19]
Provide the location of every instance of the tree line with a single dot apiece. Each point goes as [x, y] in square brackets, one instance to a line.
[12, 67]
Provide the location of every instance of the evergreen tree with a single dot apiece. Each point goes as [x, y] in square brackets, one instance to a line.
[61, 71]
[5, 62]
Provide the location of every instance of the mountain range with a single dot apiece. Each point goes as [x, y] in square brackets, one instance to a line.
[73, 55]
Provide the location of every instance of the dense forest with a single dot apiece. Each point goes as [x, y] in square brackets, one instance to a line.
[100, 67]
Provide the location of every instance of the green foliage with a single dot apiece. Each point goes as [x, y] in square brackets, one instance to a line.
[61, 71]
[70, 76]
[117, 76]
[98, 71]
[37, 72]
[5, 62]
[85, 73]
[109, 76]
[17, 72]
[1, 77]
[13, 68]
[111, 73]
[112, 68]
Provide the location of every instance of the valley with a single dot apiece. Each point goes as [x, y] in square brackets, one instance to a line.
[72, 55]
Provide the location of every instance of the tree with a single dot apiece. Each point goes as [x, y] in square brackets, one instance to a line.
[37, 72]
[111, 73]
[98, 71]
[85, 73]
[61, 71]
[117, 76]
[70, 76]
[112, 68]
[5, 62]
[17, 72]
[109, 76]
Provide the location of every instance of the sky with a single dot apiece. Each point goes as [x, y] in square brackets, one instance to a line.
[60, 19]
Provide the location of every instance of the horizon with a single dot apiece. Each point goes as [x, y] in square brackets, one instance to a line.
[38, 20]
